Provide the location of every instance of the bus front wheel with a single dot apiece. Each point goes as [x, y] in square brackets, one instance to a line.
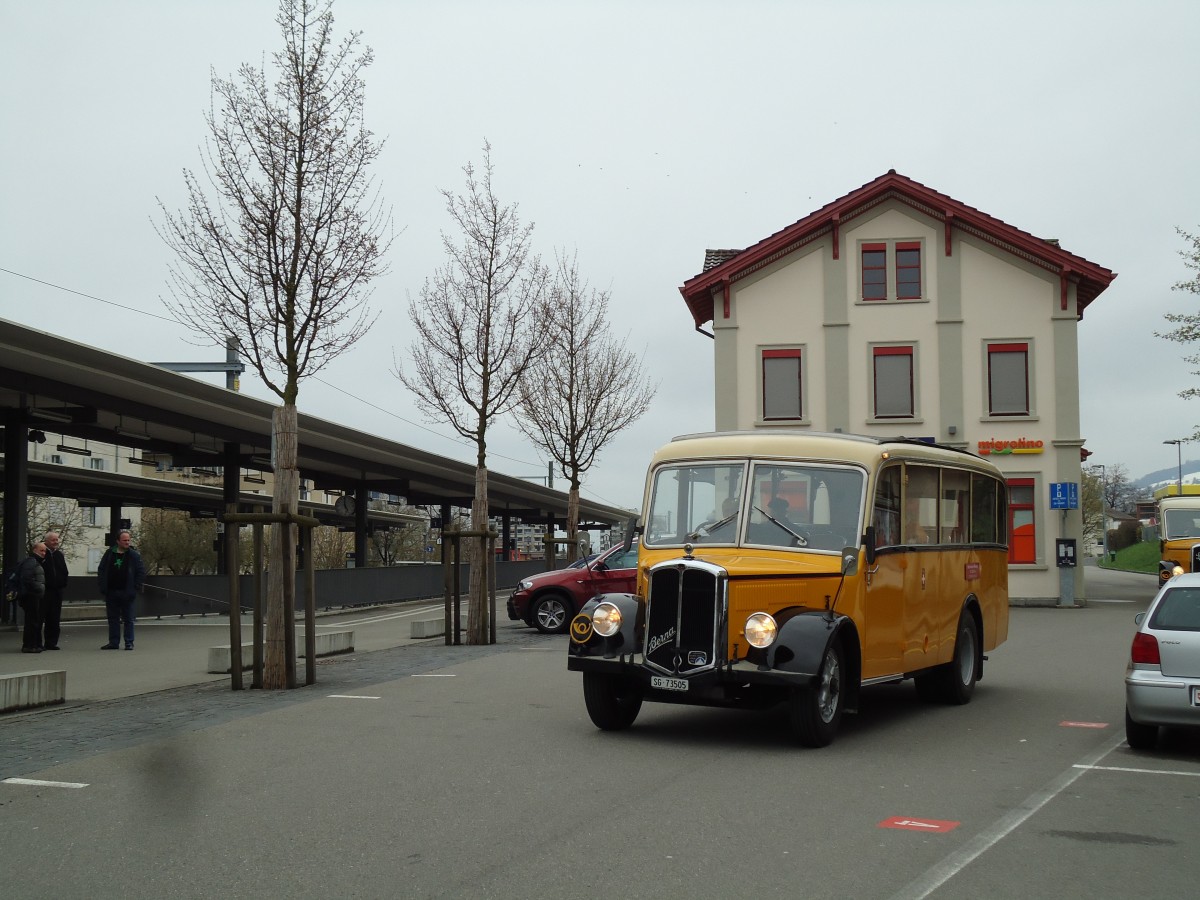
[817, 711]
[612, 702]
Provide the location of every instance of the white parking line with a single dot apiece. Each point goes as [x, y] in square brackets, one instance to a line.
[352, 697]
[33, 782]
[434, 675]
[1138, 771]
[939, 874]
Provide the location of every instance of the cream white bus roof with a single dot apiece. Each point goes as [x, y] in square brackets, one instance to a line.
[816, 446]
[1187, 501]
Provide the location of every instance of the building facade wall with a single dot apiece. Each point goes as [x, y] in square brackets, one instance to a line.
[978, 295]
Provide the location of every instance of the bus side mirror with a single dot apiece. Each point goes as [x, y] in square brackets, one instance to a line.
[631, 528]
[869, 544]
[849, 561]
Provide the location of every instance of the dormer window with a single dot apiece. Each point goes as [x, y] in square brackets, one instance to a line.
[902, 259]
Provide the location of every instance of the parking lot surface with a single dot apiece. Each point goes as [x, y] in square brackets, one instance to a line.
[421, 770]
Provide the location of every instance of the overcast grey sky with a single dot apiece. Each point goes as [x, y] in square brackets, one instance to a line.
[637, 134]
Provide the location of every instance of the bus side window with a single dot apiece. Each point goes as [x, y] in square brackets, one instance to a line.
[886, 513]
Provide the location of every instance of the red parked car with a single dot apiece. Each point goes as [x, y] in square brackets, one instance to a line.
[550, 600]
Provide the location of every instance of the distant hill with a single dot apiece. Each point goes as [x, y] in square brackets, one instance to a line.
[1191, 475]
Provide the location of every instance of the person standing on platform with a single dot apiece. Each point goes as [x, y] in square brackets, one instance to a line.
[121, 574]
[31, 588]
[54, 564]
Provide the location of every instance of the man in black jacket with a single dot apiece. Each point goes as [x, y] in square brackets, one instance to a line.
[121, 574]
[31, 588]
[55, 566]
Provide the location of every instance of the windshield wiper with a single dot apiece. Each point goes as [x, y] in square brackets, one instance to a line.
[709, 529]
[800, 539]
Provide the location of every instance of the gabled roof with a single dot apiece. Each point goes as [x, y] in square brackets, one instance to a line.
[721, 267]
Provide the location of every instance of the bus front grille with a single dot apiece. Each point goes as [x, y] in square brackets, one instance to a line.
[684, 619]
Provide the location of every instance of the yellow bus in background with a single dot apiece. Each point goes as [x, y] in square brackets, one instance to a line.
[1179, 535]
[786, 567]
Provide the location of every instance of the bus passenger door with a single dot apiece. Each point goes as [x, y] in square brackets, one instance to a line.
[883, 614]
[883, 604]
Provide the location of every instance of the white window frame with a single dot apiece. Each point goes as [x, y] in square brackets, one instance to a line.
[892, 288]
[800, 353]
[914, 355]
[1030, 380]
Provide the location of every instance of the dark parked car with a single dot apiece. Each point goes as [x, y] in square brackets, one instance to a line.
[1162, 681]
[550, 600]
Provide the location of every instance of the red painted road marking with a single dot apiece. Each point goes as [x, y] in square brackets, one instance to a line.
[1083, 724]
[907, 824]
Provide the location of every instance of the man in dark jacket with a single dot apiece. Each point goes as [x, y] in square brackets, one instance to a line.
[31, 588]
[121, 574]
[54, 564]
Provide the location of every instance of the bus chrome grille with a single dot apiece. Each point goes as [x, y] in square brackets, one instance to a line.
[684, 612]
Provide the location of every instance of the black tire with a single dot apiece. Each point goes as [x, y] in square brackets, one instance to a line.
[954, 682]
[816, 712]
[612, 702]
[964, 667]
[1139, 736]
[551, 614]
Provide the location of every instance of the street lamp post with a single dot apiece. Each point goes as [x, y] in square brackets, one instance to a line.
[1179, 457]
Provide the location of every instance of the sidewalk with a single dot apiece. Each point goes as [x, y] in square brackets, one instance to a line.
[173, 653]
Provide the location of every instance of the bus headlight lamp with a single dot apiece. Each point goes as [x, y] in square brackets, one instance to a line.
[761, 630]
[606, 620]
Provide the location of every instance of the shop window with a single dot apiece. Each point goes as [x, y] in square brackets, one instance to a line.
[892, 383]
[782, 384]
[1008, 379]
[1022, 528]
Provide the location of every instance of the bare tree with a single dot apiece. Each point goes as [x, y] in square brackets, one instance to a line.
[478, 324]
[1187, 325]
[591, 387]
[43, 514]
[282, 256]
[170, 540]
[330, 546]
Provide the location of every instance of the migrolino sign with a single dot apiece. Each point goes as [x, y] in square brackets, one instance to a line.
[1000, 448]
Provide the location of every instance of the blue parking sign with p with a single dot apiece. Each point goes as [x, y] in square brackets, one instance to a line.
[1064, 495]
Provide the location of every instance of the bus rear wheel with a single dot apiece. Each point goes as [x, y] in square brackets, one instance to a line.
[954, 683]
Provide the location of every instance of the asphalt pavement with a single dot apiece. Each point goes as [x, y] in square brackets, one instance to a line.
[413, 769]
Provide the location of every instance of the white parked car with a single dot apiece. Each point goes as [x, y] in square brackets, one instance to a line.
[1162, 681]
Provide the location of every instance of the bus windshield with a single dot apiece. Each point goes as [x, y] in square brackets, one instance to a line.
[1181, 523]
[766, 504]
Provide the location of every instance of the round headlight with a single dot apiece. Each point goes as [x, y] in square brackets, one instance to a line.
[761, 630]
[606, 620]
[1178, 570]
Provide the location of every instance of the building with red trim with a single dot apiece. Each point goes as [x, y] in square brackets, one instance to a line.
[899, 311]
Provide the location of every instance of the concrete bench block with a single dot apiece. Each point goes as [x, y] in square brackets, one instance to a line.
[429, 627]
[25, 690]
[329, 643]
[220, 661]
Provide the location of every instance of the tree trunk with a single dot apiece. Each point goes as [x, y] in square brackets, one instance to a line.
[281, 572]
[478, 611]
[573, 522]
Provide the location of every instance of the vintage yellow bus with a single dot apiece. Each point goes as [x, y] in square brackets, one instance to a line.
[795, 567]
[1179, 535]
